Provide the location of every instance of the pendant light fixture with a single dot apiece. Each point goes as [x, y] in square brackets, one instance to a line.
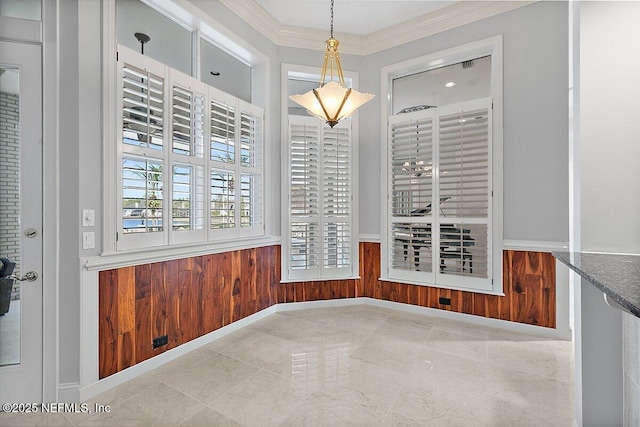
[332, 101]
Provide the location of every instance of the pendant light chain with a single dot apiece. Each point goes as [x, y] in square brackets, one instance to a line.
[331, 18]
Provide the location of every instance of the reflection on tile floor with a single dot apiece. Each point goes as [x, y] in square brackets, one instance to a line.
[356, 365]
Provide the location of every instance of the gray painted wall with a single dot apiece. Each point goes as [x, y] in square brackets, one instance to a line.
[170, 43]
[69, 236]
[535, 118]
[80, 115]
[610, 185]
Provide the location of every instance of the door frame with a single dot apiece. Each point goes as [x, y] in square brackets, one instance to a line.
[50, 204]
[45, 33]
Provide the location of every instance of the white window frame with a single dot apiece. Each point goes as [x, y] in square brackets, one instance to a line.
[491, 46]
[319, 274]
[206, 27]
[167, 237]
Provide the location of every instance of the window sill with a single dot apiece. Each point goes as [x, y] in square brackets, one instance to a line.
[499, 293]
[321, 279]
[145, 256]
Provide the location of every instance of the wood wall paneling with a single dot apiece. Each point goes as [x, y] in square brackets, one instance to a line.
[528, 283]
[183, 299]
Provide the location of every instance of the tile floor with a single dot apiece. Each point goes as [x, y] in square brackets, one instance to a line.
[357, 365]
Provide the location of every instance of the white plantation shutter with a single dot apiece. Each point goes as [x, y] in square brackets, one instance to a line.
[336, 197]
[223, 132]
[142, 107]
[251, 204]
[412, 167]
[187, 152]
[320, 223]
[168, 121]
[412, 194]
[464, 159]
[235, 155]
[142, 104]
[142, 195]
[304, 170]
[450, 212]
[304, 198]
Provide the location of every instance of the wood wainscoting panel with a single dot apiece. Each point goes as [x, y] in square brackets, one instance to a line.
[183, 299]
[317, 290]
[528, 283]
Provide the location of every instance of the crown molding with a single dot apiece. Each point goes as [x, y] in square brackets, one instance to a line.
[455, 15]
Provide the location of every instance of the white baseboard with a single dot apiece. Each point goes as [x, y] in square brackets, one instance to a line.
[125, 375]
[478, 320]
[68, 393]
[293, 306]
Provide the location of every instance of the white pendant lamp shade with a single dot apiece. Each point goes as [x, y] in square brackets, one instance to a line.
[332, 102]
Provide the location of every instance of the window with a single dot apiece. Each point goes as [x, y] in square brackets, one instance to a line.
[443, 223]
[448, 211]
[319, 231]
[176, 133]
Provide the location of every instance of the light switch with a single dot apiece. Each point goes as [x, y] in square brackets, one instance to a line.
[88, 240]
[88, 217]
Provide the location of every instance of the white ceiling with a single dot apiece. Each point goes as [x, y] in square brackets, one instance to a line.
[360, 17]
[362, 26]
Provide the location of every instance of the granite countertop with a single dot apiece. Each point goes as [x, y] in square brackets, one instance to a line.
[618, 276]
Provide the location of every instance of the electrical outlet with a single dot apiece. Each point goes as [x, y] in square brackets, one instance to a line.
[160, 341]
[445, 301]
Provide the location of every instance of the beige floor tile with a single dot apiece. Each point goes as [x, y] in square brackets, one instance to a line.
[370, 386]
[208, 417]
[396, 329]
[531, 356]
[322, 410]
[355, 319]
[33, 419]
[289, 328]
[388, 353]
[264, 399]
[439, 403]
[209, 379]
[467, 344]
[549, 399]
[116, 396]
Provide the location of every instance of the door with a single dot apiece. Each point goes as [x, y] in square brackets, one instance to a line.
[21, 222]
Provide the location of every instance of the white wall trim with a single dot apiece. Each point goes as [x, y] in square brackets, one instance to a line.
[371, 238]
[455, 15]
[68, 393]
[534, 245]
[478, 320]
[145, 256]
